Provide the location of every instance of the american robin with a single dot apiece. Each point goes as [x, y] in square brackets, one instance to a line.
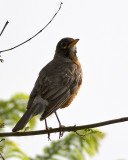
[57, 85]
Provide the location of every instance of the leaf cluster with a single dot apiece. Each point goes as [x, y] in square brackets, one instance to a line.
[11, 110]
[73, 146]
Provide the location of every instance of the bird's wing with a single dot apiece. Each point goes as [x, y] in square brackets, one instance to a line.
[55, 84]
[56, 104]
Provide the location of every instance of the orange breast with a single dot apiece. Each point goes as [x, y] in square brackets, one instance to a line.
[71, 98]
[75, 59]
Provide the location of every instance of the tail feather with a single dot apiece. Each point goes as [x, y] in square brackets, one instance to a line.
[38, 107]
[23, 121]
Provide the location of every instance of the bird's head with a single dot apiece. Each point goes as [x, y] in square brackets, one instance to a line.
[66, 47]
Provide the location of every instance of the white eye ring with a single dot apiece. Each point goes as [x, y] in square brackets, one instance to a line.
[63, 45]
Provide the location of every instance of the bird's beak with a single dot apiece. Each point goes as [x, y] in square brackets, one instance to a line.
[73, 43]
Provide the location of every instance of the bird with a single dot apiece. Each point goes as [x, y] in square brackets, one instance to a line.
[56, 86]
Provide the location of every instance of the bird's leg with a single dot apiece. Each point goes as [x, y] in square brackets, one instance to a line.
[47, 128]
[61, 133]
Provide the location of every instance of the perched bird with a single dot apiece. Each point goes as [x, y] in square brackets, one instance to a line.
[57, 85]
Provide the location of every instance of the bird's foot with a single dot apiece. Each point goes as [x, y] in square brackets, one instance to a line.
[61, 133]
[48, 129]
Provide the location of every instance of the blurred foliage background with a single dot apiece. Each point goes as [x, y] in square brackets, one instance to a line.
[74, 146]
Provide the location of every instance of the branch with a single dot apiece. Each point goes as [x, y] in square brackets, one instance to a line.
[35, 34]
[4, 28]
[64, 129]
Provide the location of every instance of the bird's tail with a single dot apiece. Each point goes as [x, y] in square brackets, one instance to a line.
[38, 107]
[24, 120]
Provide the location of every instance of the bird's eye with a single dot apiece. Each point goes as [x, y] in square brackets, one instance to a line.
[63, 45]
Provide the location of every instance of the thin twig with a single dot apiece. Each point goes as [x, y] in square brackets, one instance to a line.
[1, 147]
[4, 28]
[2, 140]
[1, 60]
[36, 33]
[2, 156]
[65, 129]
